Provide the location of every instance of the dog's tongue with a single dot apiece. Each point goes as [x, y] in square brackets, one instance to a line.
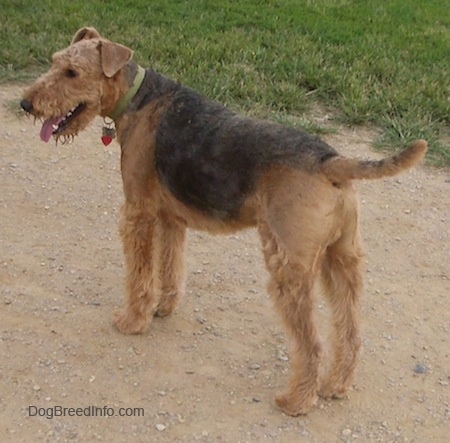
[47, 128]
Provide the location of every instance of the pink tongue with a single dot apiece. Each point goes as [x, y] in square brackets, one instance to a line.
[47, 128]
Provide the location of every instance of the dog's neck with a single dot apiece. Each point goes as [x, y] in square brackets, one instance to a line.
[128, 97]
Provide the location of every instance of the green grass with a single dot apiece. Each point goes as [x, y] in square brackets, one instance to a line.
[376, 62]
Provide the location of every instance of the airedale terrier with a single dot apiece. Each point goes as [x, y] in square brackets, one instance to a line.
[188, 162]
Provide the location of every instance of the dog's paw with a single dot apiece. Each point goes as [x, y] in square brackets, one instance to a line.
[167, 304]
[165, 308]
[294, 404]
[332, 390]
[164, 311]
[128, 323]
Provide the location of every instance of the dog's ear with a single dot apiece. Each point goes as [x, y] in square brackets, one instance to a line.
[85, 34]
[114, 57]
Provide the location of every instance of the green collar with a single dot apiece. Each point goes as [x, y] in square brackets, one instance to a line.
[126, 99]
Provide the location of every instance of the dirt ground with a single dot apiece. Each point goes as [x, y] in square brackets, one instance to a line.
[209, 372]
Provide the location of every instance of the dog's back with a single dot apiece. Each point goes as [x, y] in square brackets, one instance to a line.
[210, 158]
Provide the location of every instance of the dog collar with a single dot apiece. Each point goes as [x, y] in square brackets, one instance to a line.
[126, 99]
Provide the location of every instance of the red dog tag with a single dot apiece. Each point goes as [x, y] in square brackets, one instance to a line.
[107, 135]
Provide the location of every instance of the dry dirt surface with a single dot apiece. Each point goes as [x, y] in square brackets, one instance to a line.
[209, 372]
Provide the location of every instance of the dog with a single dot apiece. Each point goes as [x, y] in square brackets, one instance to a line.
[188, 162]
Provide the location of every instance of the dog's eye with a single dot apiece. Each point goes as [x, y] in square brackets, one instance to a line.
[71, 73]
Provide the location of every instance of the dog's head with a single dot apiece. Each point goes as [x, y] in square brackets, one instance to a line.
[85, 80]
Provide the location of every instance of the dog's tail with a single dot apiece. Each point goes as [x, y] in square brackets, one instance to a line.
[342, 168]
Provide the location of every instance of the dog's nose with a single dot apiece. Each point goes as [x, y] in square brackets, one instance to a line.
[26, 105]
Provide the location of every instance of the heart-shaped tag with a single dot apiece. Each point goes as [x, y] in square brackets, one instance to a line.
[108, 133]
[106, 139]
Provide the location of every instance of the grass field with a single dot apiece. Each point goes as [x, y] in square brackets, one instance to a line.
[374, 62]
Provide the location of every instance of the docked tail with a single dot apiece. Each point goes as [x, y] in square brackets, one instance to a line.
[341, 168]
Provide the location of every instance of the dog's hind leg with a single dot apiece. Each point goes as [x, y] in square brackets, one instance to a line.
[172, 241]
[290, 285]
[342, 282]
[137, 230]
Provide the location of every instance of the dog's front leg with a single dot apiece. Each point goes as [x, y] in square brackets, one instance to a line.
[137, 230]
[171, 241]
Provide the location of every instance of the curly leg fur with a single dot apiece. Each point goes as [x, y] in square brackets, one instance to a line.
[290, 287]
[137, 229]
[172, 242]
[342, 278]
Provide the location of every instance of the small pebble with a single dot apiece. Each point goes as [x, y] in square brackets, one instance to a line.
[160, 427]
[346, 432]
[420, 369]
[282, 356]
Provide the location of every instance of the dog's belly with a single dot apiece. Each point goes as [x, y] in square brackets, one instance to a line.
[201, 221]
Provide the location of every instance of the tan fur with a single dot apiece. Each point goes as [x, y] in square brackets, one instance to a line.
[307, 221]
[341, 168]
